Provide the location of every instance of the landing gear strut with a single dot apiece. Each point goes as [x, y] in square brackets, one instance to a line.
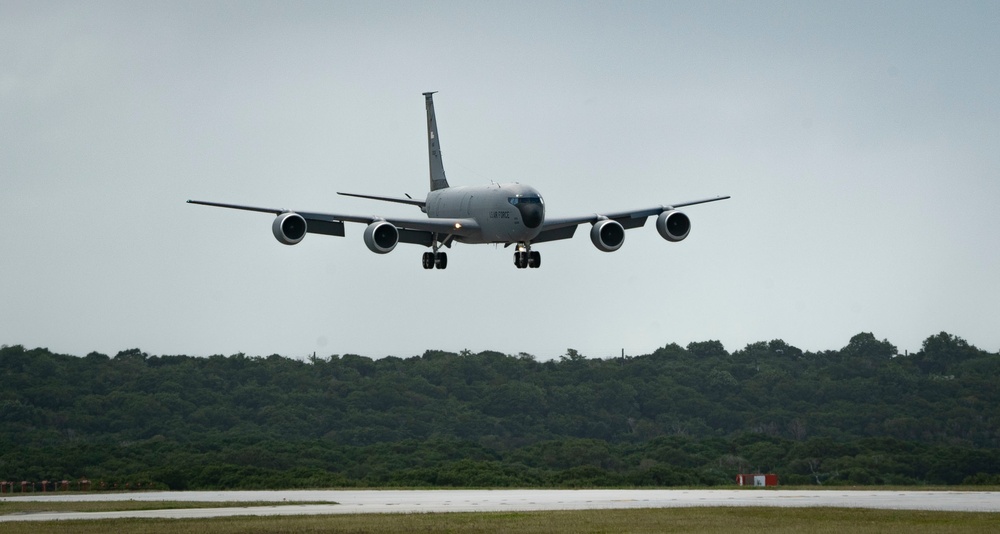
[525, 257]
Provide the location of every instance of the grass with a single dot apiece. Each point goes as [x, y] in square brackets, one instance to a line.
[28, 507]
[835, 487]
[707, 520]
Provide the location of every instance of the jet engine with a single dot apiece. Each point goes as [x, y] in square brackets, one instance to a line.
[289, 228]
[381, 237]
[607, 235]
[673, 226]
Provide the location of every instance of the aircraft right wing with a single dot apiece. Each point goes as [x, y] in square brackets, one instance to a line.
[421, 231]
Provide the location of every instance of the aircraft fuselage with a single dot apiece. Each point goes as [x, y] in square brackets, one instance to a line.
[505, 213]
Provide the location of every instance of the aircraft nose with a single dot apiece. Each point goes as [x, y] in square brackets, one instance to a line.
[532, 215]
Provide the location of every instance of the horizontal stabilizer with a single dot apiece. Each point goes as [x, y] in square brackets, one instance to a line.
[410, 201]
[237, 207]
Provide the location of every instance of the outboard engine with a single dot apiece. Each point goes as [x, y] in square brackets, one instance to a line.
[607, 235]
[381, 237]
[289, 228]
[673, 226]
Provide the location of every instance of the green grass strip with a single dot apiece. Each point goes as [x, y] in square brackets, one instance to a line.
[702, 520]
[27, 507]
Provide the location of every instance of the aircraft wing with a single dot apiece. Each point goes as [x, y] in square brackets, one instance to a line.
[564, 227]
[418, 231]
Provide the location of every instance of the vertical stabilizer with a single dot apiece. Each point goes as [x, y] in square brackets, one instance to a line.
[438, 181]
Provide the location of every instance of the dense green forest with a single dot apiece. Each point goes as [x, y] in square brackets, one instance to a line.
[679, 416]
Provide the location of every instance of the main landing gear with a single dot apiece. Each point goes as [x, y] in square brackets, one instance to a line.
[525, 258]
[435, 259]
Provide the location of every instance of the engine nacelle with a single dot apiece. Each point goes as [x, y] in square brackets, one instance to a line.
[381, 237]
[673, 226]
[289, 228]
[607, 235]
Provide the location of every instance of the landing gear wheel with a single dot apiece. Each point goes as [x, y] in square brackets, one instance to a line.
[441, 260]
[524, 259]
[428, 260]
[520, 259]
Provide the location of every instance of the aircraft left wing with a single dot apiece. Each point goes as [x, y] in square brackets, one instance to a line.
[564, 227]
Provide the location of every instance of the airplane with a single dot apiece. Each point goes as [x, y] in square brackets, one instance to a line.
[507, 214]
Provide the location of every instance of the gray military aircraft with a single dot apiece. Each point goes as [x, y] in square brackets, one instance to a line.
[508, 214]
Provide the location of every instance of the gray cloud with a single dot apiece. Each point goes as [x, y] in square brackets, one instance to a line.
[858, 141]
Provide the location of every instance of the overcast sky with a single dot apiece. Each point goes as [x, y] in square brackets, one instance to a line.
[860, 142]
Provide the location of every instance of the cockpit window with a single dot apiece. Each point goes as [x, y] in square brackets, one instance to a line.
[524, 200]
[531, 209]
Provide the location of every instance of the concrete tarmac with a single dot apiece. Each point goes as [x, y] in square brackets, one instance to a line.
[505, 500]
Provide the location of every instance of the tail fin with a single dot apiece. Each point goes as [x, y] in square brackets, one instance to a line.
[438, 181]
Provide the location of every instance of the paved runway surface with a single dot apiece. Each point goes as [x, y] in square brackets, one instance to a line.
[426, 501]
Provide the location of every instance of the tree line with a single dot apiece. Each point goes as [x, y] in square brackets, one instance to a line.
[693, 416]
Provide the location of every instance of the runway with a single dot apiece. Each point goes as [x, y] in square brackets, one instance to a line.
[436, 501]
